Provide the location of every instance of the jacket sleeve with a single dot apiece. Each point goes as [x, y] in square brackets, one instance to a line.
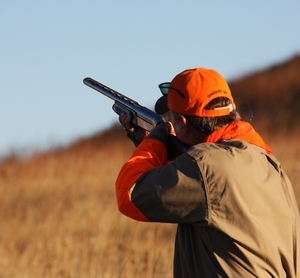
[151, 189]
[150, 153]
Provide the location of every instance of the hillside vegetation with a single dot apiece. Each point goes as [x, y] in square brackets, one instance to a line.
[58, 213]
[274, 96]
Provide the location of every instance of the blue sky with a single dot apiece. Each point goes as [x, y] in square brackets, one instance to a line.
[48, 47]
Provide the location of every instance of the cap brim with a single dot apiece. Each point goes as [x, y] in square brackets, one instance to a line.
[161, 105]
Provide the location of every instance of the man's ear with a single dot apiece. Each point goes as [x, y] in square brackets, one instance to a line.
[185, 125]
[182, 119]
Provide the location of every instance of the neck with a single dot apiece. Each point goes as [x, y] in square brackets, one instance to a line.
[196, 137]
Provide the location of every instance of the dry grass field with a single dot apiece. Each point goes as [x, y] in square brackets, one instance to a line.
[59, 216]
[58, 213]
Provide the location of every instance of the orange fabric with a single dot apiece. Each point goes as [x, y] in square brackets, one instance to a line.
[238, 130]
[191, 90]
[141, 161]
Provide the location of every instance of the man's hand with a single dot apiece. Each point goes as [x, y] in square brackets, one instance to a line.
[166, 126]
[135, 133]
[125, 120]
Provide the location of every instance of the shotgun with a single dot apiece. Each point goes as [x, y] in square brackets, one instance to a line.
[141, 116]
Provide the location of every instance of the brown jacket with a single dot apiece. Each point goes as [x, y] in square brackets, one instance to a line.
[234, 205]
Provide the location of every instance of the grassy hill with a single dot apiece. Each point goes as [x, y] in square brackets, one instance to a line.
[274, 96]
[58, 213]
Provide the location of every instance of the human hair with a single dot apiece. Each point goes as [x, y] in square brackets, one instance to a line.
[210, 124]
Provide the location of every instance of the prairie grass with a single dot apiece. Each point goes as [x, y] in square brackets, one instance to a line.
[59, 216]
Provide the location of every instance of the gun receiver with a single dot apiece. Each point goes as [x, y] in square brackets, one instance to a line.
[141, 116]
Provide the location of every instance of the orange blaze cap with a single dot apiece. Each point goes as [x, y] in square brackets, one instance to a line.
[191, 90]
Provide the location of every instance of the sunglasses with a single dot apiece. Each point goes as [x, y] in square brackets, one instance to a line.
[164, 88]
